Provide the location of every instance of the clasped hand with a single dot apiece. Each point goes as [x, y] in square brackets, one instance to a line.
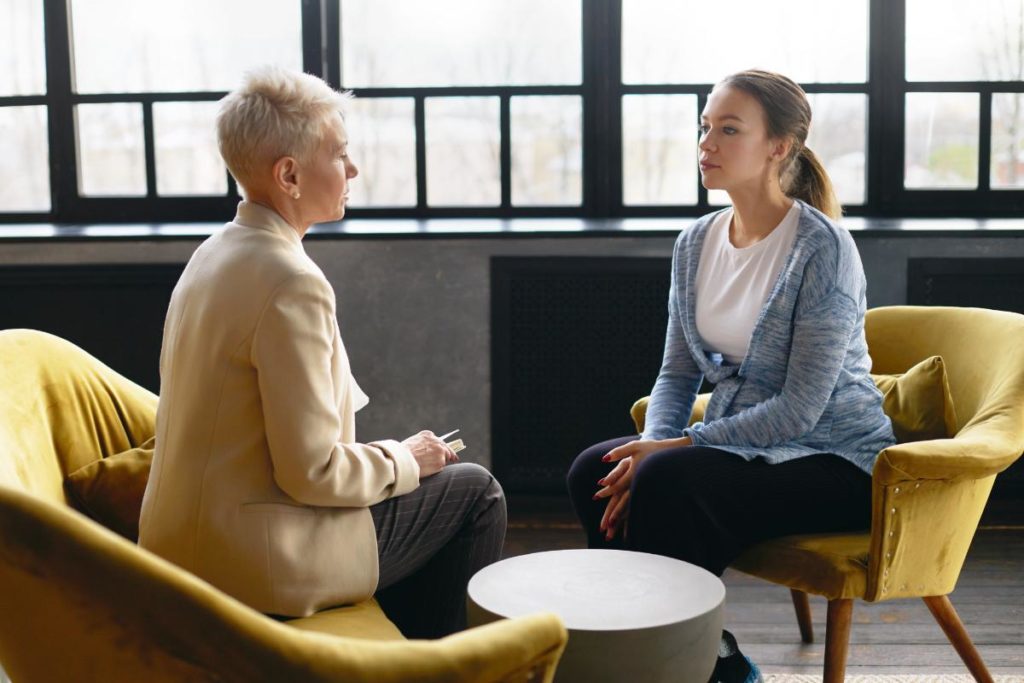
[615, 485]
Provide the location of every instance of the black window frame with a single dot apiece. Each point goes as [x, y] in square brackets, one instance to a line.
[601, 91]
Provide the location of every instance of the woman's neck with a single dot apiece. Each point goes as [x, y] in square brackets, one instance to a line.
[287, 210]
[756, 214]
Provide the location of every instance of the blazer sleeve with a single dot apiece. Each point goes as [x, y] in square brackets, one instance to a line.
[824, 320]
[292, 352]
[675, 390]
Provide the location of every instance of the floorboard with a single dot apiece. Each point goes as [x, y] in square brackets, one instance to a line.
[896, 637]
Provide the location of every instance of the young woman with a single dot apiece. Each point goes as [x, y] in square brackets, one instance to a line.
[767, 303]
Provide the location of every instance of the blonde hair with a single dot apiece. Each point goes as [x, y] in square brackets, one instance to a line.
[276, 112]
[787, 114]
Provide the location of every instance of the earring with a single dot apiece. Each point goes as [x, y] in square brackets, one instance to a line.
[296, 195]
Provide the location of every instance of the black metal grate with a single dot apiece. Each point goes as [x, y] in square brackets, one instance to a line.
[115, 312]
[574, 342]
[996, 283]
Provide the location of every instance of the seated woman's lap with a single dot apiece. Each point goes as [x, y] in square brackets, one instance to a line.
[705, 506]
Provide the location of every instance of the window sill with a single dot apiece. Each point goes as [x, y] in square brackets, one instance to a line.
[363, 228]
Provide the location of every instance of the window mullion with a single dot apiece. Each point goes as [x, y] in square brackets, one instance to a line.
[60, 117]
[886, 88]
[420, 114]
[985, 141]
[505, 153]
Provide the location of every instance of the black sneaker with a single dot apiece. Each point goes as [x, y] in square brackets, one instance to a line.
[732, 666]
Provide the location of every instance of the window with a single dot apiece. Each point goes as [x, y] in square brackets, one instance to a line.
[24, 181]
[672, 52]
[962, 112]
[142, 100]
[502, 108]
[493, 90]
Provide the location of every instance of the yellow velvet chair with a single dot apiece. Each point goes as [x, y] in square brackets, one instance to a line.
[80, 603]
[927, 495]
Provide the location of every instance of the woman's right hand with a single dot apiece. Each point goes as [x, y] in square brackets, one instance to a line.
[430, 452]
[616, 484]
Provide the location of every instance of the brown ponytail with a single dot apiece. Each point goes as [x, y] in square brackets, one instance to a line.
[788, 115]
[806, 179]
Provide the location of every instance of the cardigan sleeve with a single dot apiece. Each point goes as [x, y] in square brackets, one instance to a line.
[292, 352]
[825, 318]
[675, 390]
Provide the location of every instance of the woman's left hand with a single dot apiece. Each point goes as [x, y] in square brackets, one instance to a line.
[615, 485]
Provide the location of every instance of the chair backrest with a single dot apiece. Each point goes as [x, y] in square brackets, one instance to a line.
[929, 496]
[61, 409]
[982, 350]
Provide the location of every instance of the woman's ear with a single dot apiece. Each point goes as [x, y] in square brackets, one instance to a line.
[286, 176]
[780, 149]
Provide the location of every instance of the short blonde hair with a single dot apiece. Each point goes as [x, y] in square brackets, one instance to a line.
[276, 112]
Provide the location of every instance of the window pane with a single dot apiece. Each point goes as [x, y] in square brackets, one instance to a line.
[463, 148]
[942, 141]
[839, 138]
[22, 61]
[111, 152]
[659, 149]
[1007, 140]
[949, 40]
[187, 159]
[180, 46]
[24, 165]
[668, 41]
[547, 152]
[382, 143]
[460, 42]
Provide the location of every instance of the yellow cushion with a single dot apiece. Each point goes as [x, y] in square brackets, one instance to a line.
[833, 565]
[110, 489]
[364, 620]
[919, 402]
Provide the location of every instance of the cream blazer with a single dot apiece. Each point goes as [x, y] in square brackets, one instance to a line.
[258, 484]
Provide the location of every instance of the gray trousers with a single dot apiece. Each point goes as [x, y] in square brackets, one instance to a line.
[431, 541]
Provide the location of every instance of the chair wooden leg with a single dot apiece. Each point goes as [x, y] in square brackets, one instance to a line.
[837, 639]
[949, 620]
[803, 615]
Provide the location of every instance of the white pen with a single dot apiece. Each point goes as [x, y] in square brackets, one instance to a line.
[451, 433]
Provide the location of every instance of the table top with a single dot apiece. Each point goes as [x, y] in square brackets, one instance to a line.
[598, 590]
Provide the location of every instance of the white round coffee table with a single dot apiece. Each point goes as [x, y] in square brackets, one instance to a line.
[631, 616]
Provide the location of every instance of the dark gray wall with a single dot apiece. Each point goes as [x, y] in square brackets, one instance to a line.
[415, 313]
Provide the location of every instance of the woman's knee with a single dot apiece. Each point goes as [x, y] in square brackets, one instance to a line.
[588, 467]
[474, 478]
[659, 471]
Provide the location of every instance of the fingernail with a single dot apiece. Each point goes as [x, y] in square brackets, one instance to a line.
[605, 458]
[596, 496]
[600, 481]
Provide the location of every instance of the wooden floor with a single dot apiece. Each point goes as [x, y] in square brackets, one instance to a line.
[897, 637]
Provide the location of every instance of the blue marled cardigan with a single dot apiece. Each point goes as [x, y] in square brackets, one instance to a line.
[803, 386]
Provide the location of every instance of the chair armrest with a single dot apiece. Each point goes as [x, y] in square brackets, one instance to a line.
[972, 454]
[639, 411]
[124, 614]
[508, 651]
[927, 500]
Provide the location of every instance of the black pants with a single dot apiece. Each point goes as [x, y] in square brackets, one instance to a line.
[706, 506]
[431, 541]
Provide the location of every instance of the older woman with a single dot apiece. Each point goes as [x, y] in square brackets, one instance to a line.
[258, 483]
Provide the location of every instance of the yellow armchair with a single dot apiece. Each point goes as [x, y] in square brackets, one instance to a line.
[81, 603]
[928, 496]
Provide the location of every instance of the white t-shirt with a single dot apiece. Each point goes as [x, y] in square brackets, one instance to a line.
[733, 284]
